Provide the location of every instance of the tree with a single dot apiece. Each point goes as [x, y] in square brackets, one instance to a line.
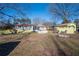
[49, 25]
[64, 11]
[15, 7]
[66, 21]
[3, 14]
[38, 21]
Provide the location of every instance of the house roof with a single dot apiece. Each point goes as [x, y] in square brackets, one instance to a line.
[24, 25]
[62, 25]
[65, 25]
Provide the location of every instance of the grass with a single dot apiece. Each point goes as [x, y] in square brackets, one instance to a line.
[13, 37]
[4, 32]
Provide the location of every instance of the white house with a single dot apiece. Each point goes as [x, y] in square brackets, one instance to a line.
[41, 29]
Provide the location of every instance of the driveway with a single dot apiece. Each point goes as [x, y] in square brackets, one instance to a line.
[36, 45]
[47, 44]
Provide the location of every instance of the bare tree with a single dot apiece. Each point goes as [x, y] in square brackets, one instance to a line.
[38, 21]
[14, 7]
[64, 11]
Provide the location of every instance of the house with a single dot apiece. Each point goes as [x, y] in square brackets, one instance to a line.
[23, 25]
[68, 28]
[24, 28]
[40, 29]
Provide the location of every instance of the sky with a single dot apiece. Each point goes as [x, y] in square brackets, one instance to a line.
[40, 11]
[33, 10]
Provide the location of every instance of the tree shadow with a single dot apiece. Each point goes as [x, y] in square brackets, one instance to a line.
[59, 49]
[6, 48]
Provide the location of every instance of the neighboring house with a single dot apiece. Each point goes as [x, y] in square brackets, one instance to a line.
[40, 29]
[24, 27]
[68, 28]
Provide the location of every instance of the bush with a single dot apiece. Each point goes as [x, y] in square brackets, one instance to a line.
[4, 32]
